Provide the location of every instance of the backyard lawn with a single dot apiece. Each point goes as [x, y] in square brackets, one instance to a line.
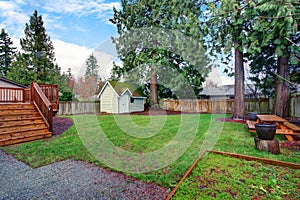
[233, 138]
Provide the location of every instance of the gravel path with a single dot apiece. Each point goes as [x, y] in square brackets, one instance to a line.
[69, 180]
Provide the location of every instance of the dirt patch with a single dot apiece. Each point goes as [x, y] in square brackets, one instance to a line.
[239, 121]
[61, 124]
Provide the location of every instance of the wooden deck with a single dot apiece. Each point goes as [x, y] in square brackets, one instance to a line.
[26, 114]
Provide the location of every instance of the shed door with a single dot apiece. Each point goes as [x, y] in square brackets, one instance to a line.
[124, 103]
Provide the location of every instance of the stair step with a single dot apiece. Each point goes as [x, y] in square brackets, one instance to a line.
[21, 122]
[24, 122]
[16, 106]
[22, 126]
[24, 138]
[17, 112]
[16, 134]
[22, 131]
[17, 119]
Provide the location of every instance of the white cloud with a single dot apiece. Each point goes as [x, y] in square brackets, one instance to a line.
[70, 55]
[67, 55]
[13, 19]
[7, 5]
[81, 7]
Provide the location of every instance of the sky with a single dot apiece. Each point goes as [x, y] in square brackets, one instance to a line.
[77, 28]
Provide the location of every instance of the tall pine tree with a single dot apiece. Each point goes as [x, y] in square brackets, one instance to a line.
[275, 26]
[91, 67]
[228, 23]
[39, 51]
[6, 53]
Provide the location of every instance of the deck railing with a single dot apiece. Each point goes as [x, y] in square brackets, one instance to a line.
[42, 104]
[12, 94]
[51, 92]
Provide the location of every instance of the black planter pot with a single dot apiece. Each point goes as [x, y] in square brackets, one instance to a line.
[265, 131]
[252, 116]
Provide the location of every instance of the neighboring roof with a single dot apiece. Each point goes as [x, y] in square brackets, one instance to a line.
[224, 90]
[121, 87]
[12, 83]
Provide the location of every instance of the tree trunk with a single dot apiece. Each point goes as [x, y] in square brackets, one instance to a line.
[239, 107]
[282, 90]
[153, 90]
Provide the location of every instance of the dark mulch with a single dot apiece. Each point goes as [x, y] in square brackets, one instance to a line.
[291, 145]
[239, 121]
[61, 124]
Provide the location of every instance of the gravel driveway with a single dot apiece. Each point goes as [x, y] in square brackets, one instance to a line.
[69, 180]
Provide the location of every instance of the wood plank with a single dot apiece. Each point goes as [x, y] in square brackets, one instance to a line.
[289, 137]
[264, 160]
[292, 126]
[271, 118]
[251, 124]
[22, 130]
[19, 135]
[26, 139]
[284, 131]
[31, 126]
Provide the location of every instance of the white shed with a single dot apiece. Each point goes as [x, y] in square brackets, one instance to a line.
[116, 97]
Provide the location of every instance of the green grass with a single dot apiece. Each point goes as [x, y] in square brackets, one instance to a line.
[222, 177]
[234, 138]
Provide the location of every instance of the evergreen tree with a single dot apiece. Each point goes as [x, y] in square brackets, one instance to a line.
[149, 44]
[91, 67]
[39, 51]
[6, 53]
[275, 26]
[20, 72]
[228, 23]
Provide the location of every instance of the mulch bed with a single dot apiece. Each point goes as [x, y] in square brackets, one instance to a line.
[291, 145]
[239, 121]
[61, 124]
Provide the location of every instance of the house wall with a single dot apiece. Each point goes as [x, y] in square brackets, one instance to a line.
[137, 105]
[109, 100]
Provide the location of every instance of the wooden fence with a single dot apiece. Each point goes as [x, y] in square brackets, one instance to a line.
[226, 106]
[199, 105]
[74, 108]
[295, 105]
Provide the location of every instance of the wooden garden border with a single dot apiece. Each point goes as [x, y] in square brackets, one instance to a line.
[248, 158]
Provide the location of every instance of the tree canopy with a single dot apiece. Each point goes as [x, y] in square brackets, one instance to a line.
[91, 67]
[161, 42]
[260, 32]
[6, 53]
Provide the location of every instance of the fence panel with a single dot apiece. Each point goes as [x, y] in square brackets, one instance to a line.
[74, 108]
[295, 106]
[226, 105]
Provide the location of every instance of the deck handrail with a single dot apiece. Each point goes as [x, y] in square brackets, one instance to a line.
[51, 92]
[42, 104]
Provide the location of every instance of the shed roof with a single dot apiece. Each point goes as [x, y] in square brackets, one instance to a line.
[121, 87]
[225, 90]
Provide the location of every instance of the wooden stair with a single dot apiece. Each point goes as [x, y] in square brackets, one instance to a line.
[20, 122]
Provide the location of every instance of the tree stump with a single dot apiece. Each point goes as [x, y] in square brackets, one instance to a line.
[267, 145]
